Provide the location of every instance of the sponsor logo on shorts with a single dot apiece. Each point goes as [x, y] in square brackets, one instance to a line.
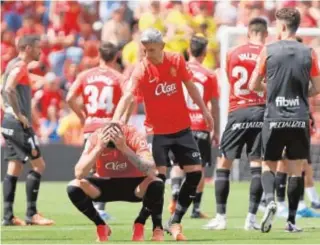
[195, 154]
[116, 166]
[166, 89]
[237, 126]
[7, 131]
[283, 102]
[287, 124]
[200, 135]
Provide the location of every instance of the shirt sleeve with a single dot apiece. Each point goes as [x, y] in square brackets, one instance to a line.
[315, 69]
[184, 70]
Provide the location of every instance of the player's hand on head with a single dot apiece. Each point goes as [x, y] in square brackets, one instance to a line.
[116, 136]
[103, 138]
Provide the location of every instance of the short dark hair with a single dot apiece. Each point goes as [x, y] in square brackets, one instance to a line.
[198, 45]
[108, 51]
[291, 17]
[28, 40]
[299, 39]
[258, 25]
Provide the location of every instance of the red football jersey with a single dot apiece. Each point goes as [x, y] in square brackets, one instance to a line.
[207, 85]
[161, 89]
[101, 91]
[112, 163]
[241, 62]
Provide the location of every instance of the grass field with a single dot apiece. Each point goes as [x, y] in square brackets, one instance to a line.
[71, 227]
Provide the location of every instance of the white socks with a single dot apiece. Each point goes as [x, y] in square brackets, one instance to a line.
[312, 194]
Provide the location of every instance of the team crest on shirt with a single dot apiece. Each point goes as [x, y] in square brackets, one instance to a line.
[173, 71]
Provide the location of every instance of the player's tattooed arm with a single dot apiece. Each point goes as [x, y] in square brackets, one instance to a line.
[143, 161]
[10, 92]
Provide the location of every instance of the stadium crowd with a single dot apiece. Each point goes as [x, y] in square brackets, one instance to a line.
[71, 32]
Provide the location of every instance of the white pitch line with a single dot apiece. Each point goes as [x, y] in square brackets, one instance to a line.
[73, 228]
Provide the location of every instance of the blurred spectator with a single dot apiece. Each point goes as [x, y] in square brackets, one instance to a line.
[315, 11]
[179, 26]
[8, 50]
[50, 95]
[127, 12]
[89, 43]
[307, 20]
[70, 130]
[105, 10]
[212, 58]
[196, 5]
[131, 51]
[152, 18]
[30, 27]
[63, 39]
[49, 127]
[72, 70]
[226, 13]
[116, 30]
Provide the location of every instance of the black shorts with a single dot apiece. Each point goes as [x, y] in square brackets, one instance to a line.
[243, 128]
[203, 141]
[116, 189]
[23, 144]
[291, 136]
[182, 145]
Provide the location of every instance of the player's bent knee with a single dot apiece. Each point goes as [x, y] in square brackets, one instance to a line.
[155, 190]
[75, 182]
[193, 178]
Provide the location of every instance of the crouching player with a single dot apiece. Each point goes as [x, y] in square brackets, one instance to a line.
[125, 171]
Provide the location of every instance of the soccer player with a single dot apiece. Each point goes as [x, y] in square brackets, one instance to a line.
[307, 181]
[206, 82]
[287, 67]
[159, 78]
[125, 171]
[244, 125]
[20, 138]
[100, 89]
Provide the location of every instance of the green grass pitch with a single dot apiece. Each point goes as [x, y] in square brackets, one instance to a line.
[73, 228]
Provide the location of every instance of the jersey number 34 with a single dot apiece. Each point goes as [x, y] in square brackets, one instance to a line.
[99, 99]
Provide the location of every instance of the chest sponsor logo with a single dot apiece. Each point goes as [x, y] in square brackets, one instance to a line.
[166, 89]
[287, 124]
[237, 126]
[196, 117]
[116, 166]
[284, 102]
